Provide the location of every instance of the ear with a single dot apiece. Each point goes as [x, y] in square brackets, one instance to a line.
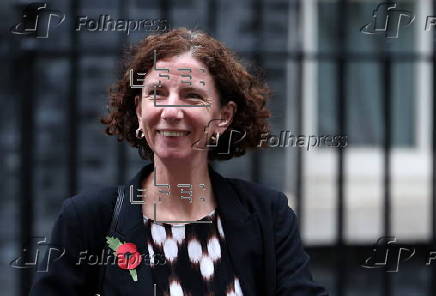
[227, 113]
[138, 107]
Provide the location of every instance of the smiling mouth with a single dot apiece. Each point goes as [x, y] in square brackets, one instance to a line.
[173, 133]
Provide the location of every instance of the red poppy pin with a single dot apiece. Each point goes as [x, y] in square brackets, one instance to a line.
[127, 255]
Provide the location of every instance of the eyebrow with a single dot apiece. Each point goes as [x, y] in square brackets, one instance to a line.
[152, 85]
[191, 88]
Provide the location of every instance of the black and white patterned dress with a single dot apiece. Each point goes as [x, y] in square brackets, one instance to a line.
[197, 259]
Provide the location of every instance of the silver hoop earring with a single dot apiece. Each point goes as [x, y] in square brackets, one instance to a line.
[214, 138]
[139, 133]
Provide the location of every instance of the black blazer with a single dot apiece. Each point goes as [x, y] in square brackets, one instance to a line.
[261, 232]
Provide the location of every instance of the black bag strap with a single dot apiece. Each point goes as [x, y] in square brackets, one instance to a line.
[117, 209]
[114, 222]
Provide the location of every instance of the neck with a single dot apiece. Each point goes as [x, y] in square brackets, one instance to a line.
[181, 191]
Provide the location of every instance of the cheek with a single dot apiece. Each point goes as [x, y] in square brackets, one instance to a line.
[201, 119]
[149, 116]
[208, 117]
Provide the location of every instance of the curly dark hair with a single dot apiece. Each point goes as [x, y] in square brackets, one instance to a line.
[232, 80]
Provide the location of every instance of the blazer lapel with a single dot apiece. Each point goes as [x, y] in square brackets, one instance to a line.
[130, 228]
[241, 229]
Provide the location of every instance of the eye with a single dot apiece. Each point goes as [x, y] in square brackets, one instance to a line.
[195, 96]
[152, 93]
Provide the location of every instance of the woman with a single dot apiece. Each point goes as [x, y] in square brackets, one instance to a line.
[183, 101]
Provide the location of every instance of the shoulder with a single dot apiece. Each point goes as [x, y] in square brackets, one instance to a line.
[258, 196]
[90, 212]
[96, 200]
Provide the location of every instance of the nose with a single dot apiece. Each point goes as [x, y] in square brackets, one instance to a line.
[172, 111]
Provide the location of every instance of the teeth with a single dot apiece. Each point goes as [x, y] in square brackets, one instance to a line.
[172, 133]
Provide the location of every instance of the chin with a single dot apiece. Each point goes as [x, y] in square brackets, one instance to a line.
[174, 155]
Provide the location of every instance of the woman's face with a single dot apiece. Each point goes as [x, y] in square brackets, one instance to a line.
[180, 108]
